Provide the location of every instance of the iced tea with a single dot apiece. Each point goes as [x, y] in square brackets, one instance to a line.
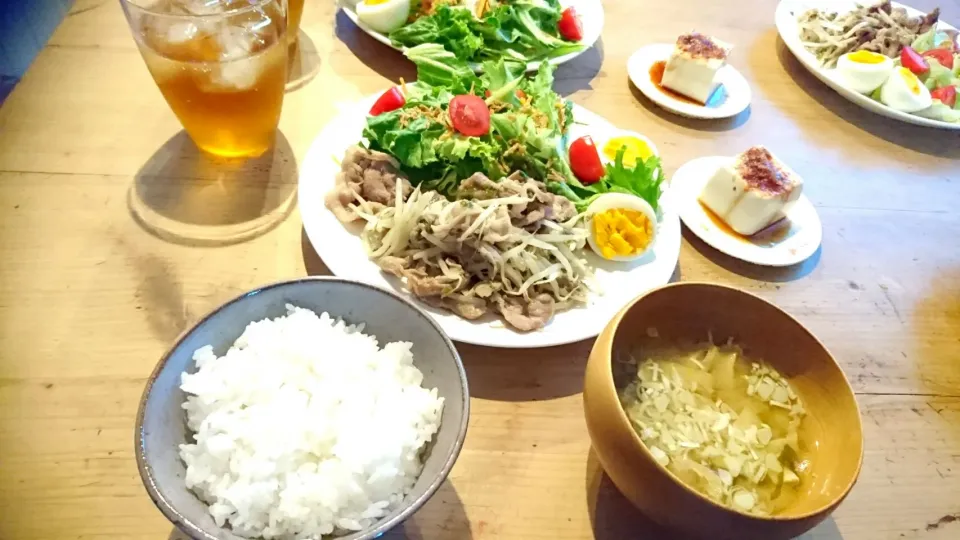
[294, 14]
[222, 67]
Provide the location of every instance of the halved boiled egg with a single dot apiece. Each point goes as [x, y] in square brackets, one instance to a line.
[903, 91]
[384, 16]
[622, 227]
[864, 71]
[637, 147]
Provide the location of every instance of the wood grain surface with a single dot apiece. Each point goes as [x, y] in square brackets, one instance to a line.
[92, 291]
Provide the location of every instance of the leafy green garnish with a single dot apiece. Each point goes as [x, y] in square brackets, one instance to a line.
[643, 180]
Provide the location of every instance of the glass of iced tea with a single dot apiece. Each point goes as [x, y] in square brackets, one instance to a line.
[220, 64]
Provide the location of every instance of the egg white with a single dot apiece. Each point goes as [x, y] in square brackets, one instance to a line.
[895, 93]
[385, 17]
[863, 78]
[609, 201]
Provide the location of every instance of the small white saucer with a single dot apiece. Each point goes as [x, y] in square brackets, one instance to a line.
[790, 242]
[730, 99]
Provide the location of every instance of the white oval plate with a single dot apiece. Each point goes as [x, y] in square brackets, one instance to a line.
[786, 19]
[799, 243]
[736, 87]
[342, 252]
[591, 17]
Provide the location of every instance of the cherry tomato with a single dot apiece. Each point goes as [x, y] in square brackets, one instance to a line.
[947, 95]
[470, 115]
[391, 100]
[585, 160]
[913, 61]
[944, 57]
[569, 25]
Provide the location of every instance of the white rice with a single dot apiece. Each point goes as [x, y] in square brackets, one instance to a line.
[305, 427]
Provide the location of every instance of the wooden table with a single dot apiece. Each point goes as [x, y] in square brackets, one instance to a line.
[89, 299]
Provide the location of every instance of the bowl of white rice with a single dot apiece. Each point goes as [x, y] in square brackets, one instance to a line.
[308, 409]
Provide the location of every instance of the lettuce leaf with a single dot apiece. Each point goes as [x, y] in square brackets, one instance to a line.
[939, 76]
[440, 68]
[925, 41]
[528, 148]
[939, 111]
[428, 153]
[642, 180]
[502, 79]
[934, 39]
[451, 27]
[544, 99]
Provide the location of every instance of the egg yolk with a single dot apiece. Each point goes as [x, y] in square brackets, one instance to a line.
[636, 149]
[622, 232]
[911, 80]
[375, 2]
[866, 57]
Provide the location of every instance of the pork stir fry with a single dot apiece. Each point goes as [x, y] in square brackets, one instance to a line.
[879, 28]
[368, 178]
[506, 247]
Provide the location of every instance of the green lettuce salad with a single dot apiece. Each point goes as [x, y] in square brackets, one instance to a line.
[524, 134]
[528, 128]
[519, 30]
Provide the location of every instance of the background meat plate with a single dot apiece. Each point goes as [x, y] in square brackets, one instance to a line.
[342, 251]
[786, 19]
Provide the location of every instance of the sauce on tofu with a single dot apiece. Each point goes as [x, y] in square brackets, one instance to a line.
[773, 234]
[656, 77]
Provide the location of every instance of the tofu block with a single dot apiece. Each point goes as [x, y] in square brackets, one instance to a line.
[693, 65]
[752, 193]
